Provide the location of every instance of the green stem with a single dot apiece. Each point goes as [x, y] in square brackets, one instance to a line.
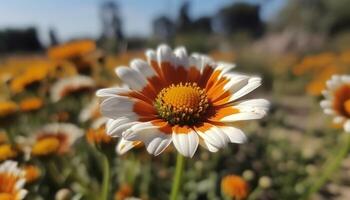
[331, 166]
[180, 163]
[106, 177]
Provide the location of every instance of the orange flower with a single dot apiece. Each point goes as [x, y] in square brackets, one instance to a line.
[123, 192]
[32, 173]
[97, 134]
[71, 49]
[234, 187]
[11, 182]
[31, 104]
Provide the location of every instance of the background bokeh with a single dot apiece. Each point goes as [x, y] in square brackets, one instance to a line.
[295, 45]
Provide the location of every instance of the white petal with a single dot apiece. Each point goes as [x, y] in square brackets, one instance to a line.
[131, 77]
[248, 110]
[347, 126]
[181, 57]
[224, 67]
[253, 83]
[143, 68]
[125, 145]
[338, 119]
[111, 92]
[234, 134]
[208, 146]
[119, 106]
[116, 127]
[155, 140]
[326, 104]
[186, 143]
[215, 137]
[164, 54]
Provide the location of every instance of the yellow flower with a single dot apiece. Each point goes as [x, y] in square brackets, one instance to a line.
[7, 152]
[7, 108]
[71, 49]
[32, 173]
[11, 182]
[56, 138]
[33, 75]
[234, 187]
[45, 146]
[31, 104]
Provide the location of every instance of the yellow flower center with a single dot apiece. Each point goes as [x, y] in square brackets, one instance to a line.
[6, 196]
[6, 152]
[347, 106]
[46, 146]
[182, 104]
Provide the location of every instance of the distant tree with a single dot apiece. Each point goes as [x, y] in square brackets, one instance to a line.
[111, 22]
[184, 21]
[239, 17]
[19, 40]
[202, 24]
[53, 37]
[163, 28]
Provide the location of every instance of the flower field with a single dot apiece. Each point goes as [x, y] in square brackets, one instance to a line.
[183, 120]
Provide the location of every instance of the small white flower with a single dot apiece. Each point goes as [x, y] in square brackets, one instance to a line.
[337, 100]
[187, 100]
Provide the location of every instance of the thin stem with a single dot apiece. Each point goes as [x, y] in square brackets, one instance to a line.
[106, 177]
[180, 163]
[331, 166]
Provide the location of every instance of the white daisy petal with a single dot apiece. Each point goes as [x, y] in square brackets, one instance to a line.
[186, 143]
[125, 145]
[118, 106]
[181, 57]
[215, 137]
[347, 126]
[155, 140]
[111, 92]
[142, 67]
[234, 134]
[248, 110]
[115, 128]
[208, 146]
[252, 84]
[131, 77]
[164, 54]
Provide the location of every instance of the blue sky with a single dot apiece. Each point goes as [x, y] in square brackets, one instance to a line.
[76, 18]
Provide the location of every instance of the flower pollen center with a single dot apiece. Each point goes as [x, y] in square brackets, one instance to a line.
[347, 106]
[182, 104]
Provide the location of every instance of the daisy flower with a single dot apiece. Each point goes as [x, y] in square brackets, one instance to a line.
[55, 138]
[337, 100]
[70, 85]
[180, 99]
[12, 180]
